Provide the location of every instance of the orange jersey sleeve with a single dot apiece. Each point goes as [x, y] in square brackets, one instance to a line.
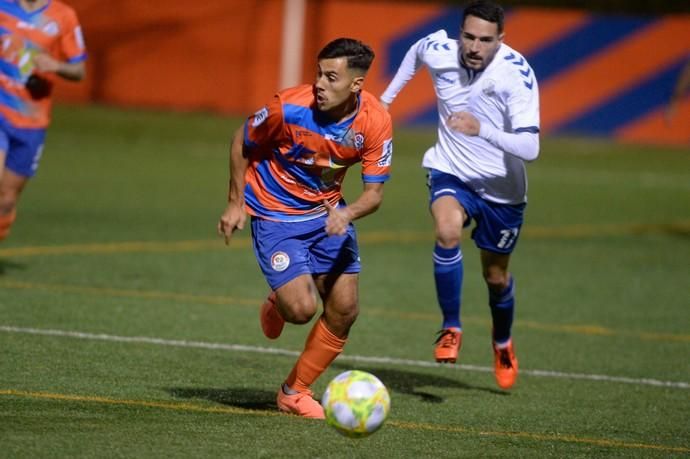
[377, 138]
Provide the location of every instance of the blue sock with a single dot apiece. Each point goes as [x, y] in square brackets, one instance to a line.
[448, 271]
[502, 310]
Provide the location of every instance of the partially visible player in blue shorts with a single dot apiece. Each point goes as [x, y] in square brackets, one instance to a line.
[497, 225]
[24, 148]
[41, 41]
[287, 165]
[488, 127]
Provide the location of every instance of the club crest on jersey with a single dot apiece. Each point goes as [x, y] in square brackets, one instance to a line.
[51, 28]
[489, 88]
[280, 261]
[260, 117]
[359, 141]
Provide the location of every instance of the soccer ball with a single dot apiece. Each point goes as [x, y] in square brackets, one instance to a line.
[356, 403]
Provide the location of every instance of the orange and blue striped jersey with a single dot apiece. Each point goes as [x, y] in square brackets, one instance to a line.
[54, 30]
[298, 157]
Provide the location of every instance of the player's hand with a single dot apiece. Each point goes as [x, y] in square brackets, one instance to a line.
[464, 123]
[337, 220]
[384, 104]
[46, 63]
[232, 220]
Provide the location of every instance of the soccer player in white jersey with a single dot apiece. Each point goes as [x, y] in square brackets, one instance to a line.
[488, 105]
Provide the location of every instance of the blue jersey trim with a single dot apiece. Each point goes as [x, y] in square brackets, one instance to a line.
[531, 129]
[316, 122]
[80, 58]
[248, 143]
[375, 178]
[17, 11]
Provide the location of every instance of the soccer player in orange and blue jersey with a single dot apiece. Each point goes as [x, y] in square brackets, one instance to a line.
[40, 40]
[288, 163]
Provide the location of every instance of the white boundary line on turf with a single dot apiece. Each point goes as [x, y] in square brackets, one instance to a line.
[355, 358]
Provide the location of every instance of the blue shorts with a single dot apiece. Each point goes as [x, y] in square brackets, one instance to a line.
[286, 250]
[498, 225]
[22, 147]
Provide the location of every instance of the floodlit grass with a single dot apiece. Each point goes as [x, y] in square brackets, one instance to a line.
[128, 329]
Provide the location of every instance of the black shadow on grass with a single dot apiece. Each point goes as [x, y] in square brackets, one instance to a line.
[6, 265]
[405, 382]
[408, 382]
[240, 397]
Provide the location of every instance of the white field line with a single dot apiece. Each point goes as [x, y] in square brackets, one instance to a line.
[354, 358]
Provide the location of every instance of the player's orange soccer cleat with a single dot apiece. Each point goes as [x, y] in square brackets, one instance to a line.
[448, 345]
[271, 321]
[301, 404]
[505, 365]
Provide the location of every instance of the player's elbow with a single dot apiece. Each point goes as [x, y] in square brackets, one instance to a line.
[530, 149]
[531, 155]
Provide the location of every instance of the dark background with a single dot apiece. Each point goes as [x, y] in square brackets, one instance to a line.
[637, 7]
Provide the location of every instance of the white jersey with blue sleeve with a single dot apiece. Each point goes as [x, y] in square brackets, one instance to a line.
[504, 97]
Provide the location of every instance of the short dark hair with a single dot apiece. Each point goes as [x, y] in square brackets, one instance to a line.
[359, 56]
[487, 10]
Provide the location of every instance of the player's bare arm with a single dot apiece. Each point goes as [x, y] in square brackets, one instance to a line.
[367, 203]
[464, 122]
[234, 216]
[75, 71]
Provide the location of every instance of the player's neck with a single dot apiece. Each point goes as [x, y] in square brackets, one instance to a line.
[32, 5]
[345, 110]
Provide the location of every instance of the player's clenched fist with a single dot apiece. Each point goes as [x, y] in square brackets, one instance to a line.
[463, 122]
[337, 220]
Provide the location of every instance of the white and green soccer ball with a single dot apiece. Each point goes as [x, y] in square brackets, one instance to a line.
[356, 403]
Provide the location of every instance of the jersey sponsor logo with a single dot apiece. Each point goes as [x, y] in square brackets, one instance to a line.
[260, 117]
[25, 25]
[280, 261]
[443, 77]
[386, 154]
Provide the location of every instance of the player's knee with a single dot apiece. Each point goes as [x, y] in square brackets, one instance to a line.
[448, 236]
[299, 311]
[497, 280]
[449, 229]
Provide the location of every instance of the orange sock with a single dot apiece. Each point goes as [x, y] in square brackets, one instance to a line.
[321, 348]
[6, 222]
